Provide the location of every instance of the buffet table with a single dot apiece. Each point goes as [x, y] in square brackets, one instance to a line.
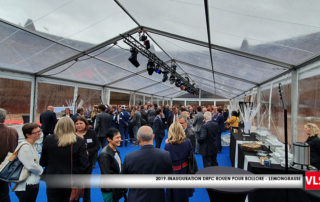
[235, 140]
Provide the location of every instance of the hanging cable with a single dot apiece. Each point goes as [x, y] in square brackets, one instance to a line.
[206, 7]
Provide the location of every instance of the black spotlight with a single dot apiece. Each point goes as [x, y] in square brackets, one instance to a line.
[178, 82]
[150, 67]
[147, 44]
[172, 79]
[157, 69]
[165, 76]
[143, 37]
[133, 57]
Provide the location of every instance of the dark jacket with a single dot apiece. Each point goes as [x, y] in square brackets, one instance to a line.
[207, 138]
[219, 119]
[124, 117]
[103, 123]
[57, 160]
[48, 120]
[92, 145]
[151, 116]
[147, 160]
[170, 118]
[158, 127]
[108, 164]
[144, 117]
[314, 143]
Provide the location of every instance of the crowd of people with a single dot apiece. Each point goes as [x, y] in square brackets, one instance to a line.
[71, 144]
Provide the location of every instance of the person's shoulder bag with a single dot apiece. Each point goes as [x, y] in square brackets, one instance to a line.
[11, 169]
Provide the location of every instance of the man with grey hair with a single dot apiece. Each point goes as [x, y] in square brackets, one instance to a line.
[147, 160]
[9, 141]
[208, 141]
[183, 120]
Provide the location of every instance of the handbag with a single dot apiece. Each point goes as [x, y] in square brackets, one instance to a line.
[76, 192]
[192, 162]
[11, 169]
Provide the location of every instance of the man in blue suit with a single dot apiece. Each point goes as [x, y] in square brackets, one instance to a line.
[147, 160]
[124, 117]
[158, 128]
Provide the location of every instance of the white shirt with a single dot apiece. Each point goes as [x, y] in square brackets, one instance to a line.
[29, 157]
[117, 157]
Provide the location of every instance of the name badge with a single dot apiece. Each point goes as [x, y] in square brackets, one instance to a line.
[89, 140]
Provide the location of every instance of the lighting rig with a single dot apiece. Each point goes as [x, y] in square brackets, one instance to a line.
[155, 64]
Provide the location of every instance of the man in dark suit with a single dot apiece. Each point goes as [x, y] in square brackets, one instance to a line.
[158, 128]
[147, 160]
[48, 120]
[219, 119]
[103, 123]
[170, 116]
[208, 141]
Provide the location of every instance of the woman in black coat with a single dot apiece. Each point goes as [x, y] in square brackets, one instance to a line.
[84, 131]
[56, 157]
[313, 140]
[110, 163]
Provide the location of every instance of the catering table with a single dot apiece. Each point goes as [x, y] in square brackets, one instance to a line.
[242, 153]
[235, 139]
[279, 195]
[226, 194]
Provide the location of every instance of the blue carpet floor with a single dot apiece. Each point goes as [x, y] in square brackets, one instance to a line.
[199, 194]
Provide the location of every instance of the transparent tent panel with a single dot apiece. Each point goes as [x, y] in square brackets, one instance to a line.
[169, 92]
[244, 68]
[211, 85]
[133, 83]
[218, 78]
[223, 62]
[26, 52]
[154, 89]
[91, 71]
[183, 51]
[272, 29]
[177, 17]
[69, 20]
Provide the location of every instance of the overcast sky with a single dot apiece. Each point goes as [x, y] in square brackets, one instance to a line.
[95, 21]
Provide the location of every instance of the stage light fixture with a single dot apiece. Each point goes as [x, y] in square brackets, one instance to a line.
[165, 76]
[157, 69]
[178, 82]
[143, 37]
[172, 79]
[147, 44]
[133, 58]
[150, 67]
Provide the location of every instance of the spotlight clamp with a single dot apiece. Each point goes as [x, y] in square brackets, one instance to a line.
[142, 49]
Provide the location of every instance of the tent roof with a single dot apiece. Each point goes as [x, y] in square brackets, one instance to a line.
[252, 42]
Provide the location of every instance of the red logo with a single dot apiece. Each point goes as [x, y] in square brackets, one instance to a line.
[312, 180]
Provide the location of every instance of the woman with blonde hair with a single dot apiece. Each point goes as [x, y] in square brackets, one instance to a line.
[179, 148]
[63, 153]
[313, 133]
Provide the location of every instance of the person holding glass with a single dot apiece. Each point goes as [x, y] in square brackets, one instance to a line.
[29, 157]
